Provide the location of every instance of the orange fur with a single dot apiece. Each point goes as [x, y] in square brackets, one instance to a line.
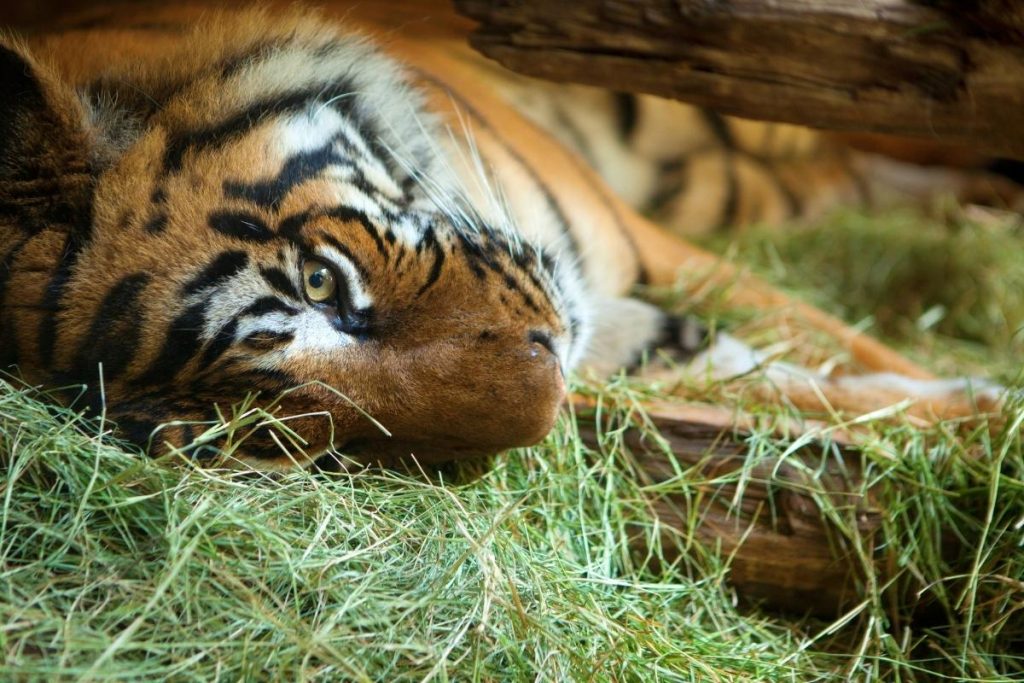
[148, 216]
[428, 328]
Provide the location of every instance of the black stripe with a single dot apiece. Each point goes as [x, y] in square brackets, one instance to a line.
[472, 253]
[531, 275]
[673, 177]
[512, 284]
[439, 258]
[627, 115]
[719, 128]
[54, 295]
[296, 170]
[397, 265]
[268, 304]
[114, 334]
[290, 228]
[579, 139]
[279, 281]
[225, 266]
[252, 55]
[135, 430]
[486, 254]
[348, 214]
[221, 342]
[602, 192]
[6, 266]
[249, 118]
[95, 25]
[181, 343]
[347, 253]
[188, 435]
[139, 416]
[730, 206]
[243, 226]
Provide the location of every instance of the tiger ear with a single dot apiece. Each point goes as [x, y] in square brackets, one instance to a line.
[46, 146]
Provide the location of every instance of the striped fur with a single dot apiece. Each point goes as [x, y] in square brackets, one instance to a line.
[167, 174]
[172, 276]
[697, 172]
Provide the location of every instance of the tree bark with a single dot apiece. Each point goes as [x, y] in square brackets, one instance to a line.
[784, 550]
[947, 70]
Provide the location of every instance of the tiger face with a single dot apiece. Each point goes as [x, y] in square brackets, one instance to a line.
[215, 242]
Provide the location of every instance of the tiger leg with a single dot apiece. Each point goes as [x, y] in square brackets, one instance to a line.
[639, 337]
[853, 395]
[627, 331]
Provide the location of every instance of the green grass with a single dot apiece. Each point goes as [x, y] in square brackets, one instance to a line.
[948, 290]
[114, 566]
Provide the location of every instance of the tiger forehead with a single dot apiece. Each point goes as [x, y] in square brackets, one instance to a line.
[312, 168]
[315, 157]
[318, 184]
[405, 258]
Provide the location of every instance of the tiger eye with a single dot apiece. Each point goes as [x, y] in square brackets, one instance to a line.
[318, 280]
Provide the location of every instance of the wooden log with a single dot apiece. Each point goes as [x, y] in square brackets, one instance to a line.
[947, 70]
[783, 551]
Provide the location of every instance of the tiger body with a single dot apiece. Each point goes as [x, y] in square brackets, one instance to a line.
[178, 188]
[197, 174]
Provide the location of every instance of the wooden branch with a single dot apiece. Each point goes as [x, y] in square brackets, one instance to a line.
[785, 553]
[947, 70]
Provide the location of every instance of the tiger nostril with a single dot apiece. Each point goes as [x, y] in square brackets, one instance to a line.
[543, 339]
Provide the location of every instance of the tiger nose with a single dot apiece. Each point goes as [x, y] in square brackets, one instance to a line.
[542, 346]
[532, 400]
[504, 391]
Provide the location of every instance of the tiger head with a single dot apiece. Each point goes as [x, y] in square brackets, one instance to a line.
[271, 223]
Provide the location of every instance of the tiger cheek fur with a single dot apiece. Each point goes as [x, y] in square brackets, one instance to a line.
[179, 292]
[491, 381]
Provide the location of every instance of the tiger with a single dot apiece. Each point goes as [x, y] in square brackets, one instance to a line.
[356, 229]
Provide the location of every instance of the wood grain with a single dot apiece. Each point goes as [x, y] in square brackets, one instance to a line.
[783, 551]
[944, 70]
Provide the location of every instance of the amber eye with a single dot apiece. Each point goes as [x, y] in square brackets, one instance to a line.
[318, 280]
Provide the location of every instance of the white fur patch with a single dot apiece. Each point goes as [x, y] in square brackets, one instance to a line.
[313, 332]
[357, 292]
[307, 131]
[244, 288]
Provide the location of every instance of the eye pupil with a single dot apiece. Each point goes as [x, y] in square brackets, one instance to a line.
[319, 280]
